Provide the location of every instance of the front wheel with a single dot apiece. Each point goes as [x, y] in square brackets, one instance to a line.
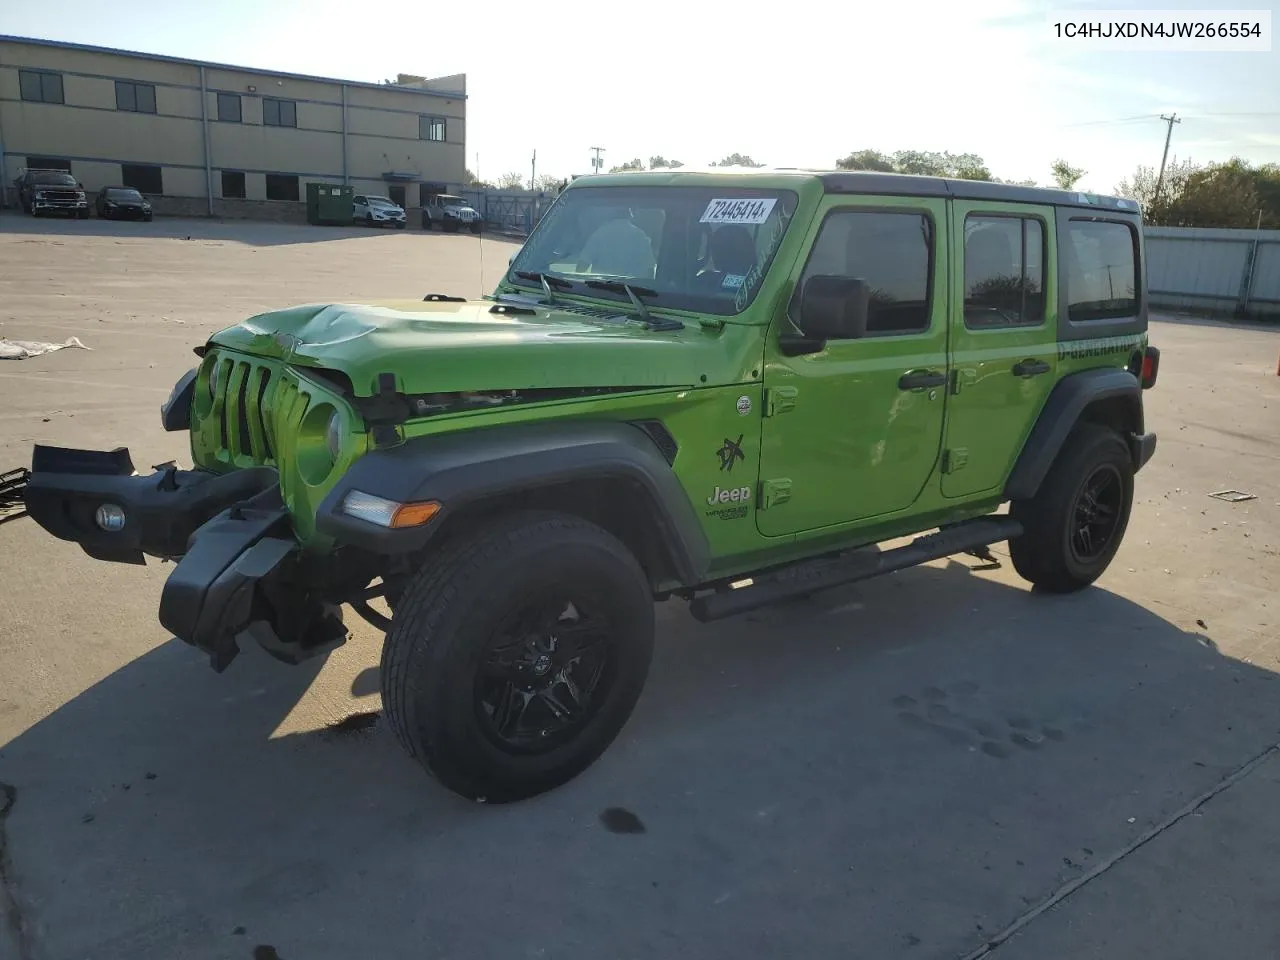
[1074, 524]
[517, 654]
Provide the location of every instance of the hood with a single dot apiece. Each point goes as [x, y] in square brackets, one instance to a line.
[446, 347]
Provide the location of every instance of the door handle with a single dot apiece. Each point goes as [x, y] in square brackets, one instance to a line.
[919, 379]
[1030, 368]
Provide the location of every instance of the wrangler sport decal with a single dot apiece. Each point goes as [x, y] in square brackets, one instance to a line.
[1105, 347]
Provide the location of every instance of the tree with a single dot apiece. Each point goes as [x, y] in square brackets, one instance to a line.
[866, 160]
[960, 166]
[547, 183]
[636, 164]
[661, 163]
[511, 181]
[1230, 194]
[737, 160]
[1064, 174]
[1142, 187]
[469, 179]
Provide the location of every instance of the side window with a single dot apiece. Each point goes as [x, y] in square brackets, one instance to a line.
[892, 252]
[1101, 270]
[1003, 272]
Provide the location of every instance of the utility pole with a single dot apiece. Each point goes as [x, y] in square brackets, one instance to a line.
[1171, 120]
[533, 173]
[596, 163]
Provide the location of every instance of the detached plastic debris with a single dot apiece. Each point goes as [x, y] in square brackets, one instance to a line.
[23, 349]
[1233, 496]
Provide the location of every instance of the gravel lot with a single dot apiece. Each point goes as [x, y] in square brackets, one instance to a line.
[932, 765]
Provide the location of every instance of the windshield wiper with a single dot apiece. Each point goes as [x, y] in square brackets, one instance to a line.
[548, 280]
[635, 293]
[619, 286]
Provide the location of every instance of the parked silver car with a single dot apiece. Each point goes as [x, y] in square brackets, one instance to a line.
[377, 211]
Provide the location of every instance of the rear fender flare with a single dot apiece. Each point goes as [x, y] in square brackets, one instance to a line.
[1067, 403]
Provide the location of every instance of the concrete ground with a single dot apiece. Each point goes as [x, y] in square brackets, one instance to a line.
[939, 764]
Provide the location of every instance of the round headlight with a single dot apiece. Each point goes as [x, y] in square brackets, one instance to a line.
[213, 380]
[333, 435]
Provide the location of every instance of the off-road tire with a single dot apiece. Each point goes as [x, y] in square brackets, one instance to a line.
[455, 604]
[1044, 554]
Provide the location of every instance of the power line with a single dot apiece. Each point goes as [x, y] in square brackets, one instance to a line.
[1099, 123]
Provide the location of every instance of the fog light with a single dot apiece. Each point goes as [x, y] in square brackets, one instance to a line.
[110, 517]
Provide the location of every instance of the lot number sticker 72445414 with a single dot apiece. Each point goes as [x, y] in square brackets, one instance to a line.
[745, 211]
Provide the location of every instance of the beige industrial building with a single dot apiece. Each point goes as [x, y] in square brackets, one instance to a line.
[206, 138]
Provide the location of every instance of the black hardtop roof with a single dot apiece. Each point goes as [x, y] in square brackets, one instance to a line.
[901, 184]
[871, 183]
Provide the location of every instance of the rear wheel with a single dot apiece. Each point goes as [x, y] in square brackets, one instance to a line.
[1074, 524]
[517, 654]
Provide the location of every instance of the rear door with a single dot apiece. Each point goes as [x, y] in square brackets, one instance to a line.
[1003, 339]
[853, 433]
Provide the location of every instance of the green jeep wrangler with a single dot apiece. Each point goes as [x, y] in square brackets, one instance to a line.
[727, 387]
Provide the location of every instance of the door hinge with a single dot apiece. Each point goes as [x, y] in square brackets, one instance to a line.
[779, 400]
[954, 459]
[961, 377]
[774, 492]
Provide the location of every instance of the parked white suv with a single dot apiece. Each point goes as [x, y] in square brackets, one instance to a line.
[450, 213]
[377, 211]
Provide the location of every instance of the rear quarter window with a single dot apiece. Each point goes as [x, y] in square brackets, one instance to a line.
[1100, 262]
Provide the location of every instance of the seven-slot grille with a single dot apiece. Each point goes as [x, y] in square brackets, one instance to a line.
[249, 399]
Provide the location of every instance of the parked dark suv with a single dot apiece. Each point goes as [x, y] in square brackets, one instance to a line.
[122, 203]
[51, 191]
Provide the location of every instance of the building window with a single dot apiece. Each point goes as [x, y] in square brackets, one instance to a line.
[431, 128]
[48, 163]
[40, 86]
[233, 184]
[135, 97]
[279, 113]
[143, 178]
[1102, 275]
[1003, 272]
[282, 186]
[229, 107]
[891, 252]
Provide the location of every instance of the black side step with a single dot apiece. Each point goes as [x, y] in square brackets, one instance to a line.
[814, 575]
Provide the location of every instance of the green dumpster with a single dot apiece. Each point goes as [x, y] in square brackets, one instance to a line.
[328, 203]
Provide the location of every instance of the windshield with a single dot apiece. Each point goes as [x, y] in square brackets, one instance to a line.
[453, 201]
[704, 249]
[54, 179]
[119, 194]
[381, 202]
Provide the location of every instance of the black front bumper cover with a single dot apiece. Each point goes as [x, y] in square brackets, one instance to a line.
[237, 571]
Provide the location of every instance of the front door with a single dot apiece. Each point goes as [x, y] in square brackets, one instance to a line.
[1003, 342]
[854, 432]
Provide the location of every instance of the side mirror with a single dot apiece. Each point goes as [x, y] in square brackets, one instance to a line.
[834, 308]
[831, 308]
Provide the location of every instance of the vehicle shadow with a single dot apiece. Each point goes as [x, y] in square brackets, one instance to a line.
[907, 763]
[258, 233]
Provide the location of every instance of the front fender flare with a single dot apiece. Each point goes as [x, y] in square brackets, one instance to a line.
[471, 466]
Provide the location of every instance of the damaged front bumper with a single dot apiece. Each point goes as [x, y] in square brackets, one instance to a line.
[238, 561]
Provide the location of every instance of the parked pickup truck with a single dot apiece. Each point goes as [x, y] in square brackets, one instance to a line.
[42, 192]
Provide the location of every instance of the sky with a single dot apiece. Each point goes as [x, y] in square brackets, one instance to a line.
[800, 83]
